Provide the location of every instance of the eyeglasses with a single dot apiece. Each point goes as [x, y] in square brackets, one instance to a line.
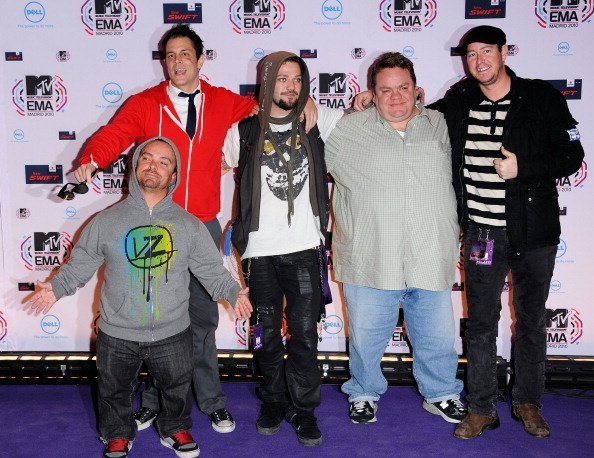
[77, 188]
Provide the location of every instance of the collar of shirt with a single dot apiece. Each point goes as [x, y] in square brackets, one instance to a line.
[181, 103]
[422, 113]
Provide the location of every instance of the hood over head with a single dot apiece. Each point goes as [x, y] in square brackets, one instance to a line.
[269, 67]
[134, 186]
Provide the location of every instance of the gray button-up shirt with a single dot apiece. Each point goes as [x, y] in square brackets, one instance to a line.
[394, 205]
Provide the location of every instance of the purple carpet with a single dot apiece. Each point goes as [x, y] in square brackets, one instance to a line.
[59, 421]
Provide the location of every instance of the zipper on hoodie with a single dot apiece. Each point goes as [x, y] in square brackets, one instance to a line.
[151, 291]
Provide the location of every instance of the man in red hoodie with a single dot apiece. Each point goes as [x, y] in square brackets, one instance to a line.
[196, 117]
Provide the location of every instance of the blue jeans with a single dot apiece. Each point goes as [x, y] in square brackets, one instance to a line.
[169, 361]
[204, 317]
[532, 271]
[429, 316]
[296, 381]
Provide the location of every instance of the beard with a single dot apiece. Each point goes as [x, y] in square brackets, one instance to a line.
[284, 105]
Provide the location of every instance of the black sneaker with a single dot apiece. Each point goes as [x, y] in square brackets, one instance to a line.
[271, 417]
[182, 443]
[144, 418]
[363, 412]
[117, 448]
[306, 427]
[452, 410]
[222, 421]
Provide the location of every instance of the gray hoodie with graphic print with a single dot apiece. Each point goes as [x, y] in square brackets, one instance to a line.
[148, 257]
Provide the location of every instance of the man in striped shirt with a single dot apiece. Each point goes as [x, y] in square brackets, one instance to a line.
[511, 138]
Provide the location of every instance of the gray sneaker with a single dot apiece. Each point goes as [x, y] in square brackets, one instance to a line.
[452, 410]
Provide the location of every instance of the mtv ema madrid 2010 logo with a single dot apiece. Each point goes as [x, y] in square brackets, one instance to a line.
[113, 179]
[335, 90]
[108, 17]
[45, 250]
[407, 15]
[41, 95]
[564, 327]
[575, 181]
[562, 14]
[256, 16]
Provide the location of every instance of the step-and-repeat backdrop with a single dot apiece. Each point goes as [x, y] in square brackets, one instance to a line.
[68, 65]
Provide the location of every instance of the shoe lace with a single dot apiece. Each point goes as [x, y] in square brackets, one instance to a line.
[457, 404]
[117, 445]
[360, 406]
[183, 438]
[220, 415]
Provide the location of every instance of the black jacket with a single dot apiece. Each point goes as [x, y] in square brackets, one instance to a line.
[536, 130]
[249, 130]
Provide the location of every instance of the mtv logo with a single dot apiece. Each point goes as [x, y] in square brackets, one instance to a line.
[256, 6]
[118, 166]
[39, 85]
[358, 53]
[333, 83]
[408, 5]
[557, 318]
[108, 6]
[46, 241]
[561, 3]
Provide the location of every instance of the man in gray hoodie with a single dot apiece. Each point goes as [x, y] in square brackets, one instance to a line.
[149, 245]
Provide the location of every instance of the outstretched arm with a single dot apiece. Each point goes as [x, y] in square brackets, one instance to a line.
[43, 299]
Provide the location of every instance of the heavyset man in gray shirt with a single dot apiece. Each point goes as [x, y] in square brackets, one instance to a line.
[395, 239]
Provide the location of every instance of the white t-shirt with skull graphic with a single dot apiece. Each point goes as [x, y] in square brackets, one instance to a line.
[275, 236]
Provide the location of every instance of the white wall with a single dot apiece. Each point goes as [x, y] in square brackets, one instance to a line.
[347, 35]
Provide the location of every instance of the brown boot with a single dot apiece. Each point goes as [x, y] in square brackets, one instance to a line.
[474, 425]
[533, 421]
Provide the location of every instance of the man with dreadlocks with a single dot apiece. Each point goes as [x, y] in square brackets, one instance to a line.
[282, 215]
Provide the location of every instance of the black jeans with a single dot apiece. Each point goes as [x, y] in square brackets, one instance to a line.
[531, 276]
[169, 361]
[204, 316]
[296, 276]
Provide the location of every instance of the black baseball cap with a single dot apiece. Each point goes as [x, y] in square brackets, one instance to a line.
[482, 34]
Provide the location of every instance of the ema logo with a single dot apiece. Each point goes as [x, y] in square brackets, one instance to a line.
[485, 9]
[335, 90]
[34, 12]
[45, 250]
[407, 15]
[256, 16]
[556, 14]
[332, 325]
[108, 17]
[41, 95]
[567, 184]
[50, 324]
[43, 174]
[564, 327]
[358, 53]
[174, 13]
[113, 178]
[3, 326]
[398, 339]
[241, 333]
[570, 89]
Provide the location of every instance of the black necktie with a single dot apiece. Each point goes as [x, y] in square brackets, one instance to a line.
[191, 122]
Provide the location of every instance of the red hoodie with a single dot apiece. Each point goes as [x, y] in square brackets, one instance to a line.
[151, 113]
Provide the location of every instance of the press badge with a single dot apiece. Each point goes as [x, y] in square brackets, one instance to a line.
[481, 250]
[258, 336]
